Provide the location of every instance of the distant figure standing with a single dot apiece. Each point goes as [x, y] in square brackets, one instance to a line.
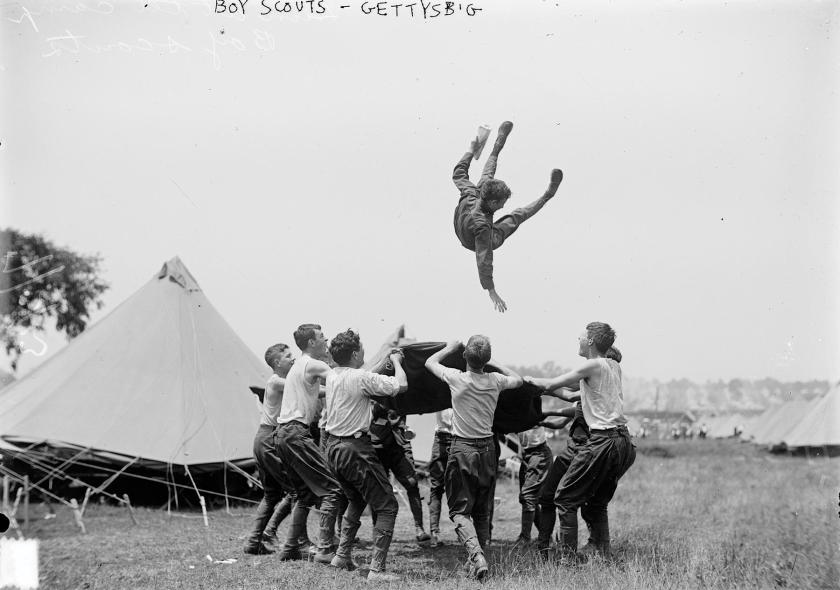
[471, 470]
[474, 223]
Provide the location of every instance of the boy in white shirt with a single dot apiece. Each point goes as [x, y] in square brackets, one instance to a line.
[471, 470]
[304, 465]
[350, 452]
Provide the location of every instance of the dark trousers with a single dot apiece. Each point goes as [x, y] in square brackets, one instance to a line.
[470, 479]
[341, 502]
[393, 458]
[364, 481]
[548, 517]
[590, 483]
[308, 475]
[281, 511]
[271, 474]
[437, 473]
[536, 462]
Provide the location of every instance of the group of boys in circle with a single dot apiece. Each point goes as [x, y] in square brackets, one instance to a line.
[326, 444]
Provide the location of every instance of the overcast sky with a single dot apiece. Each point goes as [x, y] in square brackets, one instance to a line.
[300, 165]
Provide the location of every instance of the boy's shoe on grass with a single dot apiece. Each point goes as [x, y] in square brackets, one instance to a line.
[323, 557]
[258, 549]
[290, 554]
[344, 563]
[421, 535]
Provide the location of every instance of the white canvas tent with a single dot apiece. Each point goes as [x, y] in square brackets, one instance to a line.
[756, 423]
[765, 421]
[820, 425]
[786, 417]
[724, 426]
[162, 379]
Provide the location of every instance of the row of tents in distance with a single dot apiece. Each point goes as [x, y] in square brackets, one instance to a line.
[795, 425]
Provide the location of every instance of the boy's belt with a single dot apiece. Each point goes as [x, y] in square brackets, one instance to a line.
[354, 436]
[617, 431]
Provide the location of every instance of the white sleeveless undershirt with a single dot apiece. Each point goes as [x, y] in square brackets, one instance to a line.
[300, 399]
[602, 399]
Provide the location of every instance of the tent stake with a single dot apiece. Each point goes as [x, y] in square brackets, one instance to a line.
[85, 501]
[12, 513]
[204, 511]
[26, 502]
[78, 515]
[130, 509]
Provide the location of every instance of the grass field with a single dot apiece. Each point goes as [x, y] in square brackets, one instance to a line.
[695, 514]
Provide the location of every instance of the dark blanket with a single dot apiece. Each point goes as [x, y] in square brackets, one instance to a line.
[518, 409]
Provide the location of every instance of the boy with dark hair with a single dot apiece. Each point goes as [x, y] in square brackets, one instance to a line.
[592, 476]
[279, 358]
[474, 223]
[305, 467]
[350, 452]
[471, 470]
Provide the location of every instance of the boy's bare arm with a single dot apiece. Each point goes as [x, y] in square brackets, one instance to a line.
[508, 373]
[563, 393]
[382, 365]
[569, 379]
[399, 372]
[565, 412]
[555, 424]
[316, 370]
[433, 362]
[484, 262]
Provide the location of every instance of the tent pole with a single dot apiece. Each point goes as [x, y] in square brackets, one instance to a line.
[59, 468]
[78, 515]
[26, 502]
[40, 465]
[245, 474]
[85, 501]
[224, 476]
[200, 497]
[203, 510]
[8, 472]
[12, 513]
[130, 509]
